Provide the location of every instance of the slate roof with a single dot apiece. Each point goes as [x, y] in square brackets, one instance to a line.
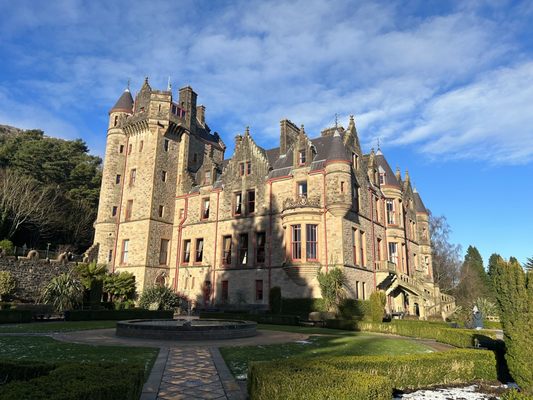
[419, 205]
[337, 150]
[390, 177]
[124, 103]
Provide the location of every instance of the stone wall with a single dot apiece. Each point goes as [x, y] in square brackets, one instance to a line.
[32, 275]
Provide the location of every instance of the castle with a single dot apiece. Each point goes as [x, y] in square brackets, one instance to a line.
[174, 211]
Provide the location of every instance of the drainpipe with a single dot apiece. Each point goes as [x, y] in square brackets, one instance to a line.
[324, 208]
[178, 251]
[213, 285]
[270, 239]
[371, 197]
[119, 213]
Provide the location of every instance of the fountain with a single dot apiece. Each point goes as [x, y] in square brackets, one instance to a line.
[181, 329]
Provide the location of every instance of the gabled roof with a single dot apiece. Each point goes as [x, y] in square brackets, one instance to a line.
[124, 103]
[390, 177]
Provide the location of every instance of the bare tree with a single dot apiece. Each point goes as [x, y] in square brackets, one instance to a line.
[446, 255]
[25, 202]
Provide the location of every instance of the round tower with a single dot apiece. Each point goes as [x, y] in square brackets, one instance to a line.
[113, 176]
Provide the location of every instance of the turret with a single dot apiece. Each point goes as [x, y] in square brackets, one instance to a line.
[124, 105]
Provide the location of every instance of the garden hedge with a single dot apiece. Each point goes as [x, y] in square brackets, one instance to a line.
[22, 370]
[259, 318]
[299, 380]
[367, 377]
[115, 315]
[101, 381]
[14, 316]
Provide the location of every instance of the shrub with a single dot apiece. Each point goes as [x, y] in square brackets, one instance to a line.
[274, 300]
[116, 315]
[7, 284]
[516, 395]
[7, 246]
[332, 287]
[22, 370]
[64, 292]
[14, 316]
[311, 381]
[161, 298]
[120, 286]
[377, 306]
[351, 308]
[100, 381]
[301, 306]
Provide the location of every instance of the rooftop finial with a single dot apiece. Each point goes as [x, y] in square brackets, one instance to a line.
[247, 131]
[146, 80]
[379, 147]
[336, 120]
[169, 84]
[128, 87]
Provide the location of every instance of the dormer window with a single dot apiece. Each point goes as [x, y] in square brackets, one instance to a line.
[381, 178]
[355, 160]
[301, 157]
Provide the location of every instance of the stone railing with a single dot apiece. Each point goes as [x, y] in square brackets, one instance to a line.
[385, 266]
[300, 202]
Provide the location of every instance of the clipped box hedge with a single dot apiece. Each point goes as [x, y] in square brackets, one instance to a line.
[14, 316]
[275, 319]
[367, 377]
[312, 381]
[116, 315]
[22, 370]
[102, 381]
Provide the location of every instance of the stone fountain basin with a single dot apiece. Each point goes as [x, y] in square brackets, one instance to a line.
[181, 329]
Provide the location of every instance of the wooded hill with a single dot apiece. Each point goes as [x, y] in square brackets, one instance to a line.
[49, 190]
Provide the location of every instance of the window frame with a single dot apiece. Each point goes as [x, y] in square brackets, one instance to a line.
[296, 242]
[204, 209]
[165, 252]
[226, 253]
[249, 209]
[302, 157]
[166, 145]
[133, 176]
[259, 248]
[302, 194]
[186, 255]
[124, 252]
[243, 249]
[311, 244]
[199, 244]
[239, 196]
[259, 290]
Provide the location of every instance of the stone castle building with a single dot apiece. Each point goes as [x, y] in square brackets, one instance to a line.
[173, 210]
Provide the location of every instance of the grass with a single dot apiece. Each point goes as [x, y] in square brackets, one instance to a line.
[60, 326]
[41, 348]
[331, 343]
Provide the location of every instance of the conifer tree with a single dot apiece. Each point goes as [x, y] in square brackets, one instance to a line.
[514, 294]
[474, 281]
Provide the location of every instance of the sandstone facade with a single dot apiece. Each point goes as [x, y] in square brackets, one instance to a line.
[173, 210]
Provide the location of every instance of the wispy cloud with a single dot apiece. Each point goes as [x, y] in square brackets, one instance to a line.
[447, 82]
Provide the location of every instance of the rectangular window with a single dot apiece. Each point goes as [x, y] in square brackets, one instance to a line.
[241, 169]
[205, 208]
[186, 251]
[225, 291]
[311, 242]
[141, 146]
[110, 256]
[248, 167]
[237, 210]
[182, 213]
[376, 209]
[130, 148]
[296, 242]
[129, 209]
[164, 176]
[251, 201]
[302, 189]
[199, 250]
[363, 291]
[393, 252]
[114, 211]
[342, 186]
[301, 157]
[355, 160]
[355, 196]
[125, 250]
[121, 149]
[379, 249]
[391, 215]
[226, 250]
[260, 243]
[354, 243]
[207, 178]
[362, 245]
[166, 144]
[133, 176]
[357, 290]
[381, 178]
[163, 252]
[258, 290]
[161, 211]
[243, 248]
[117, 179]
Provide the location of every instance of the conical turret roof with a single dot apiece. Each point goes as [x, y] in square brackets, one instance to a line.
[124, 103]
[337, 151]
[390, 177]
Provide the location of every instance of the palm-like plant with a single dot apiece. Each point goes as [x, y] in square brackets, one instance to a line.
[64, 292]
[120, 286]
[91, 273]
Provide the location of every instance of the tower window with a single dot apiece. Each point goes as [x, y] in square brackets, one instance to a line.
[129, 207]
[121, 149]
[117, 179]
[302, 189]
[301, 157]
[199, 250]
[166, 144]
[161, 211]
[164, 176]
[116, 120]
[163, 251]
[355, 160]
[114, 211]
[110, 256]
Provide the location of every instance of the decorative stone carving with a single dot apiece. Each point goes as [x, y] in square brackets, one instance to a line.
[301, 202]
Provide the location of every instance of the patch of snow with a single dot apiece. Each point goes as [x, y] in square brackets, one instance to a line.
[303, 342]
[241, 377]
[460, 393]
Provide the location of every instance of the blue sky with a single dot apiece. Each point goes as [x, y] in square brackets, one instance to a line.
[446, 86]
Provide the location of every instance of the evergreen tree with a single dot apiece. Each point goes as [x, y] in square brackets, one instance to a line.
[528, 266]
[514, 294]
[474, 281]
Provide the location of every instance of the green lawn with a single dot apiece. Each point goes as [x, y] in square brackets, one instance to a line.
[41, 348]
[60, 326]
[334, 344]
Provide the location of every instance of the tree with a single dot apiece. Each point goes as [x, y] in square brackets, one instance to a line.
[64, 292]
[332, 287]
[474, 281]
[528, 266]
[7, 284]
[514, 295]
[445, 255]
[23, 201]
[92, 278]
